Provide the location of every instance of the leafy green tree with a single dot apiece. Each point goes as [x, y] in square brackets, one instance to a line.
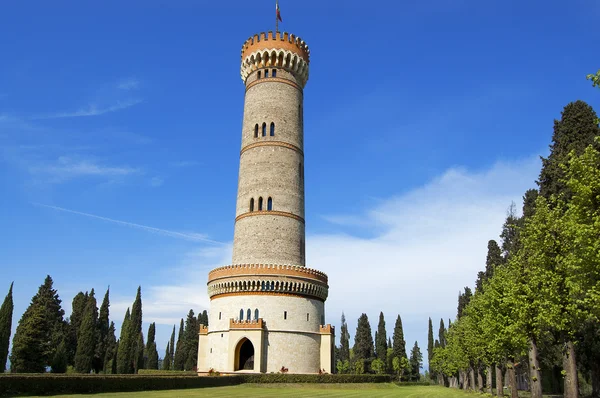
[180, 354]
[151, 352]
[363, 340]
[343, 366]
[400, 366]
[124, 363]
[381, 340]
[416, 361]
[88, 336]
[6, 313]
[190, 341]
[595, 78]
[344, 340]
[103, 326]
[40, 331]
[378, 366]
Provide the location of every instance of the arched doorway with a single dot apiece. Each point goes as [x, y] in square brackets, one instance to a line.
[244, 355]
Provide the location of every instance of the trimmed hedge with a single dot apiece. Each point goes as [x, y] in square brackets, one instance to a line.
[158, 372]
[43, 384]
[50, 384]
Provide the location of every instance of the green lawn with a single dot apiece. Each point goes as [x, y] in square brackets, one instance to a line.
[299, 390]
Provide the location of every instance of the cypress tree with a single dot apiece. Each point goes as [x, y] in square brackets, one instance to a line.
[574, 131]
[416, 361]
[114, 364]
[344, 341]
[140, 351]
[180, 354]
[381, 339]
[363, 340]
[510, 233]
[111, 349]
[59, 362]
[429, 344]
[136, 351]
[172, 349]
[78, 307]
[103, 329]
[151, 352]
[6, 313]
[398, 339]
[442, 333]
[166, 364]
[463, 301]
[39, 332]
[88, 336]
[389, 343]
[191, 341]
[124, 365]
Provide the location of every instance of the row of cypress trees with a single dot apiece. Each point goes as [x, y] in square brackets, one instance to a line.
[383, 355]
[86, 341]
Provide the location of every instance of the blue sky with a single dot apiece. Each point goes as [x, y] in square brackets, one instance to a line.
[423, 121]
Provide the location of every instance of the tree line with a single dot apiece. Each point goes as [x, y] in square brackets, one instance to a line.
[86, 342]
[384, 355]
[535, 309]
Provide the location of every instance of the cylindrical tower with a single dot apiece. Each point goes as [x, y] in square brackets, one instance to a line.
[267, 309]
[269, 223]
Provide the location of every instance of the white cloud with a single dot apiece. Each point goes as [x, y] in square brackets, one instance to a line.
[65, 168]
[128, 84]
[426, 245]
[93, 110]
[156, 182]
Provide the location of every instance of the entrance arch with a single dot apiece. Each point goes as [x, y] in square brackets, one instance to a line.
[244, 355]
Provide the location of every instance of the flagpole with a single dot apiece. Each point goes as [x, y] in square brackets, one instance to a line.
[276, 17]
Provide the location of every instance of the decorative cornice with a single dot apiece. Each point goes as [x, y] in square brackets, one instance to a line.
[241, 324]
[267, 270]
[269, 213]
[273, 80]
[280, 40]
[272, 143]
[221, 295]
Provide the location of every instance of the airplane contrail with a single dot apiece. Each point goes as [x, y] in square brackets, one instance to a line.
[173, 234]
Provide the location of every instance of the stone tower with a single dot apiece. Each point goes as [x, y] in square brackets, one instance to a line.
[267, 309]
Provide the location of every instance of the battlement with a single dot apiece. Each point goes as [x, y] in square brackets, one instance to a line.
[284, 41]
[241, 324]
[327, 329]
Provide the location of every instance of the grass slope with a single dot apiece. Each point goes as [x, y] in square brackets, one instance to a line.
[296, 391]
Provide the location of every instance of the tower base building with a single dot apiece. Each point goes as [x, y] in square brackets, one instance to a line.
[267, 310]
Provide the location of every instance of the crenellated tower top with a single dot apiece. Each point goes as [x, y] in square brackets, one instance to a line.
[282, 50]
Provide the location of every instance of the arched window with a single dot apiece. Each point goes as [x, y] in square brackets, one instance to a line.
[260, 203]
[249, 314]
[274, 74]
[266, 73]
[252, 204]
[242, 314]
[272, 132]
[256, 314]
[270, 204]
[258, 75]
[264, 129]
[256, 130]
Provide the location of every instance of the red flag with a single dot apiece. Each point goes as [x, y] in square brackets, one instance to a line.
[277, 10]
